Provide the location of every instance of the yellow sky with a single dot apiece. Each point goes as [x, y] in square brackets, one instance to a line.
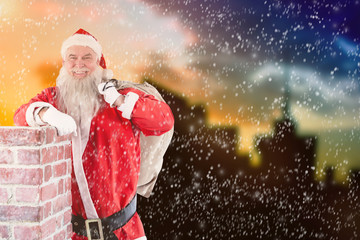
[32, 33]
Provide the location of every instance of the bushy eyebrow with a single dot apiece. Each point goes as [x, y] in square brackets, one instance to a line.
[74, 55]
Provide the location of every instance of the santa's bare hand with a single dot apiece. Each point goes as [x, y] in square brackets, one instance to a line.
[64, 123]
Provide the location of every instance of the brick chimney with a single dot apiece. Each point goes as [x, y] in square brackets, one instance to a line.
[35, 180]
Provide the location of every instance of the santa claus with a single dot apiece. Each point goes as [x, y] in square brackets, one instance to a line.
[106, 125]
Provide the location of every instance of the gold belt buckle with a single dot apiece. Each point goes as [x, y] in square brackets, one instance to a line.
[89, 223]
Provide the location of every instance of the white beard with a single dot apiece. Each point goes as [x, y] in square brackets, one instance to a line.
[79, 97]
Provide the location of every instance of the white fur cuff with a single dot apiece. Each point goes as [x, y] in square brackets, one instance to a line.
[30, 113]
[129, 103]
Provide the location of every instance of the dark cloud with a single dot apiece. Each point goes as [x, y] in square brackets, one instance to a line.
[299, 32]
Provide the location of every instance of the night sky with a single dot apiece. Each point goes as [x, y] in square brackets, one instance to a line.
[254, 51]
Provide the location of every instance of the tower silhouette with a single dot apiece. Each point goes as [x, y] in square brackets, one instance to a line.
[287, 157]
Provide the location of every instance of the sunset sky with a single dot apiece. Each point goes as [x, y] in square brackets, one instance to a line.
[235, 57]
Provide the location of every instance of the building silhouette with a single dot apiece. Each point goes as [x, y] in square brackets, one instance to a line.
[287, 157]
[207, 191]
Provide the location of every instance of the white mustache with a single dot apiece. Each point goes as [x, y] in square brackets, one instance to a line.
[80, 70]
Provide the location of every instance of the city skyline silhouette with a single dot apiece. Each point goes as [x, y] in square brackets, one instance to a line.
[206, 190]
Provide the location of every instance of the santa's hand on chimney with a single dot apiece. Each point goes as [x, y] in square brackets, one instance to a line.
[111, 95]
[64, 123]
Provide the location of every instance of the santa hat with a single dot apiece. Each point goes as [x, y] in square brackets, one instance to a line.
[84, 38]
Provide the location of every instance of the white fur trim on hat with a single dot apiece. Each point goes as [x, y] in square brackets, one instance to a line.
[81, 40]
[107, 74]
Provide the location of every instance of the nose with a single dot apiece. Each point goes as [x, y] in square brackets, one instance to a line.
[79, 62]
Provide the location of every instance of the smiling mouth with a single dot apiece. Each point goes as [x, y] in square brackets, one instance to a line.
[79, 73]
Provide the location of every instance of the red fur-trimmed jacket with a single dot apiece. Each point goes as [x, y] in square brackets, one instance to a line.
[111, 159]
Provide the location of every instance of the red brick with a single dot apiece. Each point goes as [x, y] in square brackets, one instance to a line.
[28, 156]
[47, 173]
[59, 221]
[6, 156]
[69, 165]
[68, 184]
[4, 196]
[60, 169]
[67, 217]
[4, 232]
[69, 231]
[27, 194]
[60, 236]
[48, 228]
[49, 154]
[62, 138]
[60, 203]
[28, 176]
[50, 134]
[19, 213]
[46, 210]
[21, 136]
[27, 232]
[61, 152]
[68, 151]
[61, 186]
[69, 198]
[48, 192]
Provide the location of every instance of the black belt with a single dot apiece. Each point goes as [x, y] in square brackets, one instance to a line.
[102, 229]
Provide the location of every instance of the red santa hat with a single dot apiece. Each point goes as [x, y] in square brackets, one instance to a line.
[84, 38]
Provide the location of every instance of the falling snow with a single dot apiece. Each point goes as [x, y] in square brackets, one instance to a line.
[265, 95]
